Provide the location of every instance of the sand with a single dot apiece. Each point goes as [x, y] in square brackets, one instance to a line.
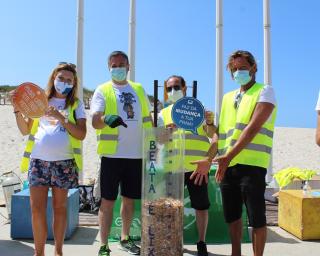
[292, 147]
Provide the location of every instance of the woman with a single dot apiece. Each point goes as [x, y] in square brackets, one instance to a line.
[53, 153]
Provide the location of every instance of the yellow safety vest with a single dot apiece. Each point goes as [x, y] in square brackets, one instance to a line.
[196, 145]
[75, 143]
[108, 137]
[233, 121]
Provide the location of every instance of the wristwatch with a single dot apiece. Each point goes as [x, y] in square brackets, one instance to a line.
[66, 120]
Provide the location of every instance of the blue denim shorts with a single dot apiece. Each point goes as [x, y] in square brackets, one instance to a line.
[62, 174]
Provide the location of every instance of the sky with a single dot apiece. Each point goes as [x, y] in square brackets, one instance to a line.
[172, 37]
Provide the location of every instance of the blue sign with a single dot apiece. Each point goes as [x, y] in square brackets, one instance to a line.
[188, 113]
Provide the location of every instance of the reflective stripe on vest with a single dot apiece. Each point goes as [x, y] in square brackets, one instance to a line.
[234, 121]
[196, 145]
[108, 137]
[75, 144]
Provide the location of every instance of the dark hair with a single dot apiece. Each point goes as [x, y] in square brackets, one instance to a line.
[118, 53]
[240, 53]
[182, 81]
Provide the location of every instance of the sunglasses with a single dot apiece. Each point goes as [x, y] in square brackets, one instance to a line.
[237, 100]
[68, 64]
[176, 87]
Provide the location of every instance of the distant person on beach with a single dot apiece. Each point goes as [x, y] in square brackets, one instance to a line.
[244, 144]
[53, 153]
[196, 147]
[120, 110]
[318, 121]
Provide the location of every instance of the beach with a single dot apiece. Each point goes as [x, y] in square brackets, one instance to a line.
[293, 147]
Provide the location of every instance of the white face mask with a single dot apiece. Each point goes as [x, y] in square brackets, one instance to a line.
[174, 95]
[61, 87]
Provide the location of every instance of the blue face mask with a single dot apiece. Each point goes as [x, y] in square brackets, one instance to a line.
[61, 87]
[118, 74]
[242, 77]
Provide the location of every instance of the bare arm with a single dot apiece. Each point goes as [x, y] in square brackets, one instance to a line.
[24, 123]
[318, 130]
[203, 165]
[260, 115]
[77, 130]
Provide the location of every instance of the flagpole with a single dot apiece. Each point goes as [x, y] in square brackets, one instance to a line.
[219, 59]
[267, 62]
[132, 40]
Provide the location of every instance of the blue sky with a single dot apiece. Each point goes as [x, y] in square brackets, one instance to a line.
[172, 37]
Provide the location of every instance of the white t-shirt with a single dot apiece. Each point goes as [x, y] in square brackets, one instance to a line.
[318, 103]
[267, 95]
[51, 140]
[129, 109]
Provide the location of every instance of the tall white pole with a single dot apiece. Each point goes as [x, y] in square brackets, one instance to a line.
[80, 60]
[267, 61]
[219, 59]
[80, 47]
[266, 40]
[132, 40]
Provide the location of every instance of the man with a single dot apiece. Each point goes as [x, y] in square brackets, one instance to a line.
[244, 143]
[196, 147]
[120, 110]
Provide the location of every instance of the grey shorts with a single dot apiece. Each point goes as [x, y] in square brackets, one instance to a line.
[62, 174]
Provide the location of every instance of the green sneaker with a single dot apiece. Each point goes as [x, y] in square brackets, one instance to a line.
[104, 251]
[129, 246]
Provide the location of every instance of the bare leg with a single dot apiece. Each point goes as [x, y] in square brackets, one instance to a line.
[127, 210]
[235, 229]
[38, 203]
[105, 219]
[202, 223]
[259, 237]
[59, 206]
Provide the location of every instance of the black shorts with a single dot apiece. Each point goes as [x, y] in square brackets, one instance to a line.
[120, 171]
[198, 194]
[244, 184]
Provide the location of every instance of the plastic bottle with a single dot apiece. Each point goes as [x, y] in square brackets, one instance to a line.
[306, 189]
[11, 184]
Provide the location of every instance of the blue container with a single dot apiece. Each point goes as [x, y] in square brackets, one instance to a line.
[21, 214]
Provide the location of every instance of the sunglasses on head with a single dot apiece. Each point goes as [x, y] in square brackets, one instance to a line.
[176, 87]
[68, 64]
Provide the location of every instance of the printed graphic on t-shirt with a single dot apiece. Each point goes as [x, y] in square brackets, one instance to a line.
[127, 99]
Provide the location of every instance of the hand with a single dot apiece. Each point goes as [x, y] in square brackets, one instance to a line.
[201, 173]
[171, 126]
[114, 121]
[53, 112]
[209, 117]
[223, 163]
